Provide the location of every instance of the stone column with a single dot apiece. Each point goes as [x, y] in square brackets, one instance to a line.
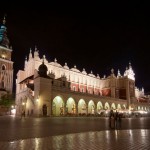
[76, 109]
[127, 93]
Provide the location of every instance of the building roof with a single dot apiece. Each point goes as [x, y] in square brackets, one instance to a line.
[30, 77]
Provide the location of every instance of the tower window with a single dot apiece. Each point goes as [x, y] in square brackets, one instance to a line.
[3, 67]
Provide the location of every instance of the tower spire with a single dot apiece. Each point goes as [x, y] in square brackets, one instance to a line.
[30, 54]
[130, 65]
[4, 41]
[4, 20]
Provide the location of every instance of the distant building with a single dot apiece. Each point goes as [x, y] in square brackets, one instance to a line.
[6, 65]
[49, 89]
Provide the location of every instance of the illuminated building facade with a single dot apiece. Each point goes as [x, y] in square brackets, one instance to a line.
[6, 65]
[49, 89]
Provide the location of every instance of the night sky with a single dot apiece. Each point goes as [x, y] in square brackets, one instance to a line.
[93, 36]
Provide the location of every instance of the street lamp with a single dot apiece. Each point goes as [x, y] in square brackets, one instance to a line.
[37, 100]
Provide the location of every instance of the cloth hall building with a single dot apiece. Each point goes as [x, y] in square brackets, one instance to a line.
[50, 89]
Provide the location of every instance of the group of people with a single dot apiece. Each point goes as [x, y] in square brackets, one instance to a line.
[114, 120]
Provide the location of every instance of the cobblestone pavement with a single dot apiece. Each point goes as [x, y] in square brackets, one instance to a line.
[137, 139]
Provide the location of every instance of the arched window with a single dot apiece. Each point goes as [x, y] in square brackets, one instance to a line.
[3, 67]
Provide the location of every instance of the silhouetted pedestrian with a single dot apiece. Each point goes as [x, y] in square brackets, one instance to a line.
[23, 113]
[111, 119]
[116, 119]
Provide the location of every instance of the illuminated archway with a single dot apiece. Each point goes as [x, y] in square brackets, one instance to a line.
[124, 107]
[106, 106]
[91, 107]
[138, 107]
[70, 106]
[57, 106]
[118, 107]
[82, 107]
[113, 106]
[99, 107]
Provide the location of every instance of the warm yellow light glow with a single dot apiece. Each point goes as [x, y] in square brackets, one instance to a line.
[37, 100]
[3, 56]
[13, 111]
[23, 103]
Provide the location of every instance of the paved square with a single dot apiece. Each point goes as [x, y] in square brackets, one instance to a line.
[101, 140]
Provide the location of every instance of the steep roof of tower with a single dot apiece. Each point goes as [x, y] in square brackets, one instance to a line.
[4, 41]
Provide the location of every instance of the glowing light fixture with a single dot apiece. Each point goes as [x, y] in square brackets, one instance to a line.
[37, 100]
[3, 56]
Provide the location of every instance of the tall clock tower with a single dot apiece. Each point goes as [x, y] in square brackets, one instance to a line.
[6, 65]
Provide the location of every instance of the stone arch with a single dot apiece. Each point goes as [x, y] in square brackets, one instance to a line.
[99, 107]
[70, 106]
[119, 107]
[21, 105]
[30, 106]
[57, 106]
[3, 67]
[82, 107]
[91, 107]
[139, 108]
[124, 107]
[113, 106]
[106, 106]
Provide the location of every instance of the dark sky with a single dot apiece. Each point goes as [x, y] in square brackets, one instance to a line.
[93, 36]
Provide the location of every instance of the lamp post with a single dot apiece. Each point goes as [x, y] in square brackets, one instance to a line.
[37, 100]
[23, 109]
[37, 105]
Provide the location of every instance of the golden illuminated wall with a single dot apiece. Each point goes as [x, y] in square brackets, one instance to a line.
[6, 70]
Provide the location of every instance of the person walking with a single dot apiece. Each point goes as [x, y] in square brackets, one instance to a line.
[116, 119]
[23, 114]
[111, 119]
